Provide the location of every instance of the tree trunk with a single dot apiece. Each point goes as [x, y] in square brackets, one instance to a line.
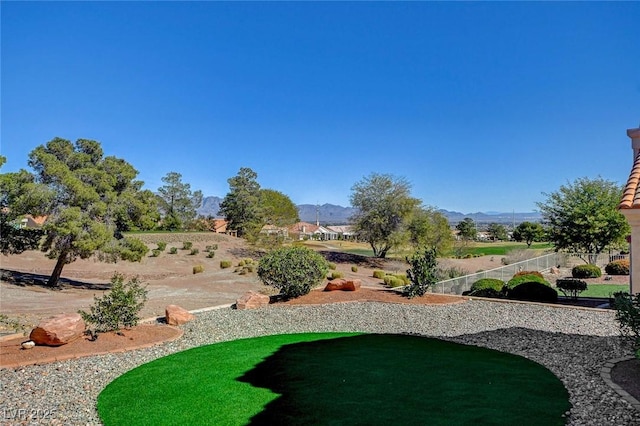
[55, 275]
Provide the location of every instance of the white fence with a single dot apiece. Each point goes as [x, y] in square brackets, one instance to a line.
[504, 273]
[542, 264]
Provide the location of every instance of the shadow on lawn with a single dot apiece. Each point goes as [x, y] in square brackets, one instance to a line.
[398, 379]
[28, 279]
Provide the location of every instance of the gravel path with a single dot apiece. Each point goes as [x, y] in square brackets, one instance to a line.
[572, 343]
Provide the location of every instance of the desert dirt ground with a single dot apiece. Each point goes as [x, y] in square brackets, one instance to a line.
[25, 299]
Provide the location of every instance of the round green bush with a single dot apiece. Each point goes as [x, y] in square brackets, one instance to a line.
[379, 274]
[487, 283]
[334, 275]
[617, 267]
[293, 270]
[586, 271]
[486, 292]
[533, 291]
[225, 264]
[519, 279]
[571, 286]
[354, 268]
[536, 273]
[393, 281]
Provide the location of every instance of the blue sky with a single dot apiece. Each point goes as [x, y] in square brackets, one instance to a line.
[481, 106]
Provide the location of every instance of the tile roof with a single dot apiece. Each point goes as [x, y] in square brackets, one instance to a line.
[631, 194]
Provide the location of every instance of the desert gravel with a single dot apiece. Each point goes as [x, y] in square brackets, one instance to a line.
[573, 343]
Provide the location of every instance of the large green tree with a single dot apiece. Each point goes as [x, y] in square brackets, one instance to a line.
[467, 229]
[430, 228]
[177, 202]
[241, 205]
[529, 232]
[497, 231]
[19, 195]
[384, 207]
[582, 217]
[89, 200]
[277, 208]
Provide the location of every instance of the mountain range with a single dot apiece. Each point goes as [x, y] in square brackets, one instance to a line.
[331, 214]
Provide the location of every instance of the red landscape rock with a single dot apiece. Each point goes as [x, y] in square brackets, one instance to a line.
[58, 330]
[343, 285]
[252, 300]
[176, 315]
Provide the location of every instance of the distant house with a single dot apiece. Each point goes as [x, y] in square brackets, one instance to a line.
[306, 231]
[630, 207]
[219, 226]
[31, 222]
[345, 232]
[279, 231]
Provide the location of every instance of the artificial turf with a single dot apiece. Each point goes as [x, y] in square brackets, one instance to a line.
[336, 379]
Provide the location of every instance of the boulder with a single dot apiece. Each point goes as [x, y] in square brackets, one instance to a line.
[252, 300]
[343, 285]
[58, 330]
[176, 315]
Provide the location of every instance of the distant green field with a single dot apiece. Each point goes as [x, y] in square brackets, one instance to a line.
[502, 248]
[474, 249]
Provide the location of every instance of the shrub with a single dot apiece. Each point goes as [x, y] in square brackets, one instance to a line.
[119, 307]
[487, 283]
[293, 270]
[517, 280]
[422, 272]
[162, 245]
[586, 271]
[451, 272]
[354, 268]
[211, 254]
[212, 247]
[486, 292]
[393, 281]
[628, 314]
[194, 252]
[521, 273]
[187, 245]
[403, 277]
[224, 264]
[198, 269]
[331, 265]
[155, 252]
[132, 249]
[617, 267]
[379, 274]
[173, 250]
[533, 291]
[571, 287]
[335, 274]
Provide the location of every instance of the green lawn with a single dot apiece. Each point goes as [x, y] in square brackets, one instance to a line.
[337, 379]
[502, 248]
[602, 290]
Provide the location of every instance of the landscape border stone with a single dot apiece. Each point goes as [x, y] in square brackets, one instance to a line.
[605, 373]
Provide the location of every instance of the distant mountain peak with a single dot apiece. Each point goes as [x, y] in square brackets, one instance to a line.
[332, 214]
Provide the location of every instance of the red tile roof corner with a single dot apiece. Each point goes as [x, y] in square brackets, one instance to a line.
[631, 193]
